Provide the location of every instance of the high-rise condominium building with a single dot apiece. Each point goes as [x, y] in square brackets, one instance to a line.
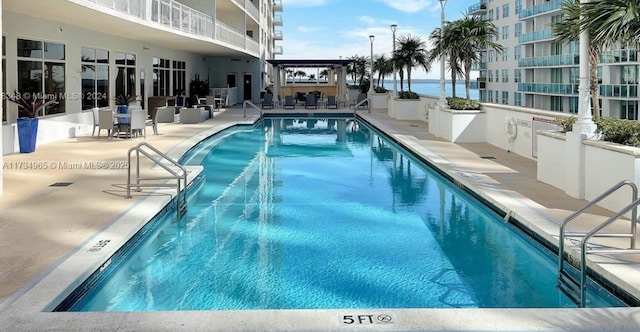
[537, 71]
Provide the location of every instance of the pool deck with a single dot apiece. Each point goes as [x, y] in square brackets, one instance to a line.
[42, 226]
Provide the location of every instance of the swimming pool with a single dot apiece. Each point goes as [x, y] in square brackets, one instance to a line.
[323, 213]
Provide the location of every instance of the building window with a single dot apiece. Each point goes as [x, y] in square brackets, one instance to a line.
[126, 78]
[573, 105]
[179, 77]
[556, 103]
[518, 6]
[490, 97]
[505, 54]
[490, 14]
[95, 78]
[505, 76]
[629, 109]
[629, 75]
[517, 75]
[505, 10]
[497, 78]
[490, 76]
[497, 13]
[41, 72]
[517, 52]
[505, 32]
[518, 29]
[161, 77]
[505, 97]
[517, 99]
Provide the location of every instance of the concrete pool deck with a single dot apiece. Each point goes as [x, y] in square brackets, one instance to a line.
[41, 226]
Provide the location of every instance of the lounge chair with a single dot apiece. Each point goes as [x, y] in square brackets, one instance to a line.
[106, 121]
[289, 102]
[331, 102]
[267, 101]
[311, 101]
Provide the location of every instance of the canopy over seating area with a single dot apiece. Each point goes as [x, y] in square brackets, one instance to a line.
[334, 85]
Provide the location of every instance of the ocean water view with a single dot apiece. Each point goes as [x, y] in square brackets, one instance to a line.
[431, 87]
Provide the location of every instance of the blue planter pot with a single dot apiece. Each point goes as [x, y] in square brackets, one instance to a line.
[27, 134]
[123, 109]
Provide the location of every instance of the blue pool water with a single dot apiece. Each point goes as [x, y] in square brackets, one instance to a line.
[313, 213]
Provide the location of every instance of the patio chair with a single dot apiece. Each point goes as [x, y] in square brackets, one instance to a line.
[267, 101]
[331, 102]
[311, 101]
[138, 123]
[153, 121]
[289, 102]
[96, 120]
[106, 121]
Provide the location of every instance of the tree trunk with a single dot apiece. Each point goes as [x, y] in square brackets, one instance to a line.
[409, 79]
[401, 74]
[467, 79]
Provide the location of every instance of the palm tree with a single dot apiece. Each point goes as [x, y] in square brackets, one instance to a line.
[383, 67]
[447, 49]
[613, 21]
[413, 52]
[357, 68]
[300, 74]
[312, 77]
[399, 62]
[324, 74]
[569, 29]
[475, 35]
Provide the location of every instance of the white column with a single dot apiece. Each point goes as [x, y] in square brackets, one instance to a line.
[582, 129]
[442, 101]
[276, 88]
[371, 91]
[585, 124]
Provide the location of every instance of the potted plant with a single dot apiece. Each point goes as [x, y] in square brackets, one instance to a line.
[122, 105]
[30, 104]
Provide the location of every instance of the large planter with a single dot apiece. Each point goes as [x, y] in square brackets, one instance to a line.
[123, 109]
[379, 101]
[27, 134]
[407, 109]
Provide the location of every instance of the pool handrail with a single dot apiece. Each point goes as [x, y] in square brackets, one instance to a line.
[247, 102]
[180, 208]
[563, 277]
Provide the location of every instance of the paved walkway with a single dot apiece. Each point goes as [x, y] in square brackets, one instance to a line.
[40, 224]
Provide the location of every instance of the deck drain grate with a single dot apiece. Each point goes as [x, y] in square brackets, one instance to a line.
[61, 184]
[488, 157]
[414, 125]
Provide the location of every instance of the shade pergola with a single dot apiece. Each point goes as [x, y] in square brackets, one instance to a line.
[339, 65]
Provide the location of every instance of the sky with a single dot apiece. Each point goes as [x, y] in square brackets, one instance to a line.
[330, 29]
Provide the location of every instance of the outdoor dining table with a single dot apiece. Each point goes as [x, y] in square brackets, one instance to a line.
[123, 126]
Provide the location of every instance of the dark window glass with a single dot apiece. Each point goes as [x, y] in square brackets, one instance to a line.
[29, 48]
[88, 85]
[120, 58]
[54, 86]
[102, 86]
[102, 56]
[53, 51]
[88, 55]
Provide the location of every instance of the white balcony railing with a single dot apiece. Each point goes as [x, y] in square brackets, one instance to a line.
[227, 34]
[250, 8]
[177, 16]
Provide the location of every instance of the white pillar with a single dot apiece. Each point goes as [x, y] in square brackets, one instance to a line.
[371, 90]
[583, 128]
[584, 124]
[276, 87]
[442, 101]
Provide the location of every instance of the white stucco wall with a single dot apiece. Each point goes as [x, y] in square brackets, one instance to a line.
[75, 121]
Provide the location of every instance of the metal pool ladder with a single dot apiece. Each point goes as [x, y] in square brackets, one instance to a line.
[575, 286]
[180, 176]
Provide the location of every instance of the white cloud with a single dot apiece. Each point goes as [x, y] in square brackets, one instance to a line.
[408, 6]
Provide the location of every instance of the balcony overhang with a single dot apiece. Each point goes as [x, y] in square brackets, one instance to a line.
[119, 24]
[311, 63]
